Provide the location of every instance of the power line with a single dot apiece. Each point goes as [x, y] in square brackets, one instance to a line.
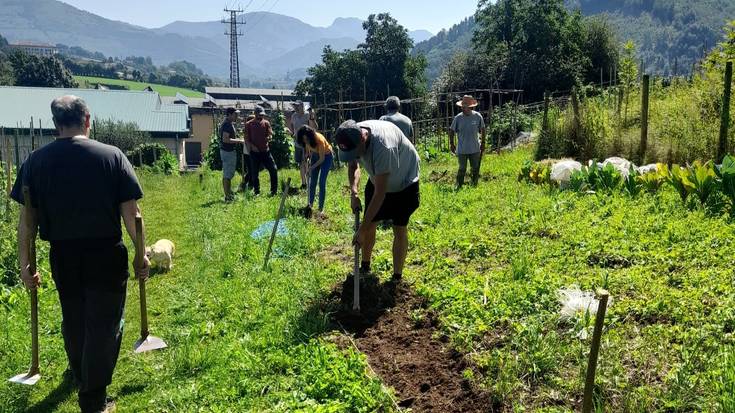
[263, 16]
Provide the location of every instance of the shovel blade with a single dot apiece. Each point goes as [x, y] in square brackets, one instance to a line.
[150, 343]
[27, 379]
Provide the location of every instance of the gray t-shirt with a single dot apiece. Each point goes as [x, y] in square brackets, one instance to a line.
[467, 128]
[297, 121]
[78, 184]
[402, 121]
[389, 151]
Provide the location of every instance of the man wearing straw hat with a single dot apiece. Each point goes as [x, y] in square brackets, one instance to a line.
[469, 127]
[79, 189]
[394, 116]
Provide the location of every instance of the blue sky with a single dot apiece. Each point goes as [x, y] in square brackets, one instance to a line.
[432, 15]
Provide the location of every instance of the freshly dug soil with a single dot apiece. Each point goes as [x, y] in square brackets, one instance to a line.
[404, 351]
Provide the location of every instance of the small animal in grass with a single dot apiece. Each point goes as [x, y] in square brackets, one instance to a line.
[161, 254]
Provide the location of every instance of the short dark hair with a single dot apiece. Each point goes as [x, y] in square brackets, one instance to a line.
[306, 132]
[230, 111]
[393, 103]
[69, 111]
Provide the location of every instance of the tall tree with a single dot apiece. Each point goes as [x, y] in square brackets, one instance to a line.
[40, 71]
[380, 65]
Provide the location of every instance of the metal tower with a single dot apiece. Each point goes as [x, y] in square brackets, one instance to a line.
[234, 33]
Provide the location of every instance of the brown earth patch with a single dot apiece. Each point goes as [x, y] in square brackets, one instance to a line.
[398, 335]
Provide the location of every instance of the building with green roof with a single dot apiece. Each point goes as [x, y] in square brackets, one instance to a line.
[168, 124]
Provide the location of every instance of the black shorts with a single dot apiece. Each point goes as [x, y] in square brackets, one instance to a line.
[398, 206]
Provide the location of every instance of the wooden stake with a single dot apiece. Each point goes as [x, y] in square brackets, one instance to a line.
[589, 384]
[275, 225]
[644, 119]
[34, 292]
[725, 118]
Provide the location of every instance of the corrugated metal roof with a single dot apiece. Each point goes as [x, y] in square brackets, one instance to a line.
[245, 91]
[18, 104]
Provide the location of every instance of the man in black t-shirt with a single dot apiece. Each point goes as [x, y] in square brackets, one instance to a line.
[79, 189]
[227, 150]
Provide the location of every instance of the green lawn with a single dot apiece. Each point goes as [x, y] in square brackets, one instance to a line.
[163, 90]
[490, 261]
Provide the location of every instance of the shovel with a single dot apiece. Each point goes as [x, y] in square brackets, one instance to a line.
[146, 342]
[356, 268]
[34, 374]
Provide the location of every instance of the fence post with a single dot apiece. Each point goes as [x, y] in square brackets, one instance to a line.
[33, 137]
[545, 124]
[16, 144]
[644, 119]
[576, 122]
[725, 118]
[589, 383]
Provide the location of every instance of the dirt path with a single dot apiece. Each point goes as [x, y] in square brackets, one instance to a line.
[397, 334]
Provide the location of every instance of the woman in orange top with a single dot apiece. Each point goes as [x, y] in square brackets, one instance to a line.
[320, 150]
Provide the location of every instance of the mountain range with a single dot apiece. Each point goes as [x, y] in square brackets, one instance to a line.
[272, 45]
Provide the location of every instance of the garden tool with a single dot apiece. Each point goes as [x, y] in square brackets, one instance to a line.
[33, 375]
[146, 342]
[356, 268]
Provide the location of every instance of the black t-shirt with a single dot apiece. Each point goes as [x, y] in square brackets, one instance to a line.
[77, 185]
[226, 126]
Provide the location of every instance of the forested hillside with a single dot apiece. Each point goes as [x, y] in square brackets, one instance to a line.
[670, 35]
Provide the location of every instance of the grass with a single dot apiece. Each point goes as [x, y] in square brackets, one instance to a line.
[163, 90]
[490, 261]
[241, 339]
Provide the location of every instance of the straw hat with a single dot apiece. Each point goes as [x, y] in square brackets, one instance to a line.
[468, 101]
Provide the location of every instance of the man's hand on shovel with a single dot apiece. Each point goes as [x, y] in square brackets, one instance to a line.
[142, 269]
[31, 281]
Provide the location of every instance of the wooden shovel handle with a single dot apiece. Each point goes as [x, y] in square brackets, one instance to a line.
[356, 274]
[139, 251]
[33, 292]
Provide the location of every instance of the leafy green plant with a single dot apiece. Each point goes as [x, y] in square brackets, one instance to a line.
[535, 172]
[578, 181]
[726, 176]
[703, 180]
[631, 183]
[678, 178]
[652, 181]
[608, 178]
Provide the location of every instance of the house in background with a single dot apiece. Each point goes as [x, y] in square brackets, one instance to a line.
[206, 113]
[35, 49]
[168, 124]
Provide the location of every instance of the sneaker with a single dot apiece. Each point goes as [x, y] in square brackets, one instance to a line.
[110, 407]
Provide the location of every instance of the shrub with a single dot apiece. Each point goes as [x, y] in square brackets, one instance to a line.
[124, 135]
[156, 156]
[281, 142]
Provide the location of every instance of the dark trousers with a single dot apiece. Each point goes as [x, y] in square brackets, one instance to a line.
[91, 278]
[265, 160]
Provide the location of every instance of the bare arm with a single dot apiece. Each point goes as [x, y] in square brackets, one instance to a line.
[226, 138]
[380, 182]
[353, 176]
[319, 162]
[312, 121]
[129, 210]
[27, 230]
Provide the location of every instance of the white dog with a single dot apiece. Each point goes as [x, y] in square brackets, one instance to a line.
[161, 254]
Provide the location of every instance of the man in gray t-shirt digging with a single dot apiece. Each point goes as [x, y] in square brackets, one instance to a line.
[392, 192]
[468, 126]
